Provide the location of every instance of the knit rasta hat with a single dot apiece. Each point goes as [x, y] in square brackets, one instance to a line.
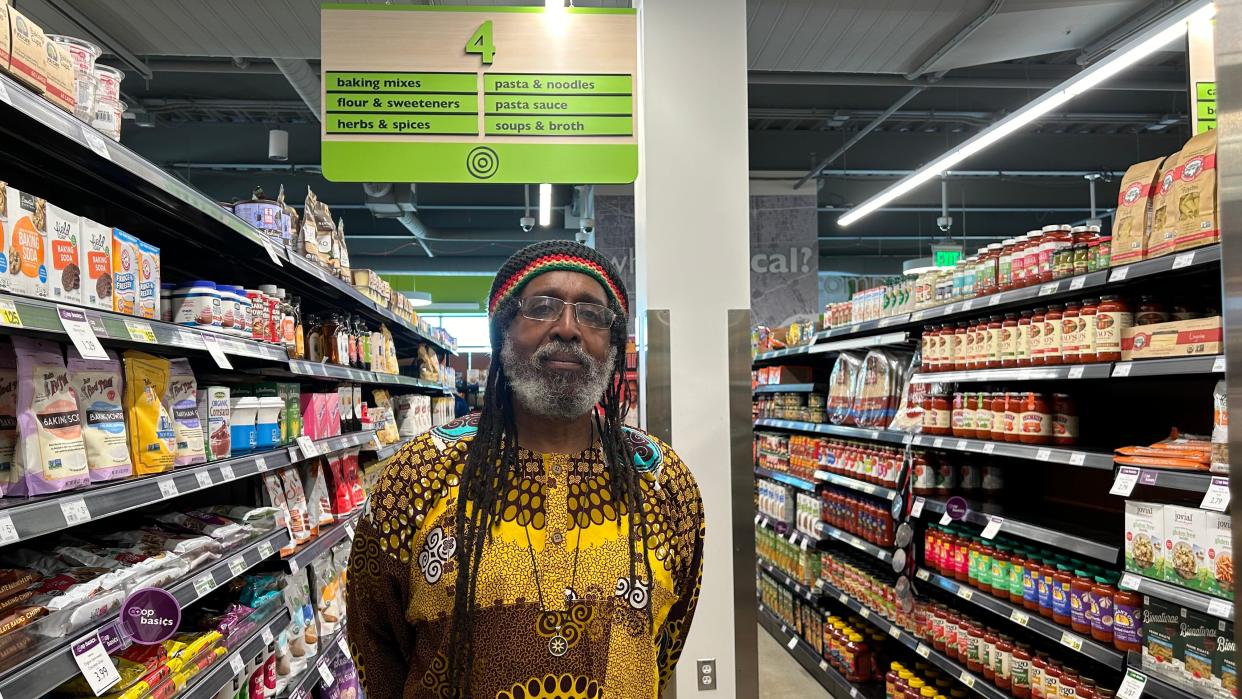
[551, 256]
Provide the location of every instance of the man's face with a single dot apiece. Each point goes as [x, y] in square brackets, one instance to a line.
[559, 368]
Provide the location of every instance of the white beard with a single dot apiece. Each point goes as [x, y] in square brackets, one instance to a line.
[557, 394]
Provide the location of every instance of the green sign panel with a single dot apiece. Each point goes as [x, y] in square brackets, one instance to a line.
[1205, 106]
[946, 258]
[476, 94]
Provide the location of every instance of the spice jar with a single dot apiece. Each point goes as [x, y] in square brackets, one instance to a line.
[1087, 347]
[1114, 316]
[991, 354]
[1080, 599]
[1127, 620]
[1064, 420]
[1151, 311]
[1052, 335]
[1069, 333]
[1013, 417]
[1008, 341]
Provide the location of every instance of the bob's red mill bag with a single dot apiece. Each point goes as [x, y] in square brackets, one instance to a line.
[1196, 193]
[1133, 216]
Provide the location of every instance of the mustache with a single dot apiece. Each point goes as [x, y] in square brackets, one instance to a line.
[560, 347]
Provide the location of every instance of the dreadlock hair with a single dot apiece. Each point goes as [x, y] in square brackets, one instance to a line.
[491, 469]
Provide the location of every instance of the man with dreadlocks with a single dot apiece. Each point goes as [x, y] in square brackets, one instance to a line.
[538, 548]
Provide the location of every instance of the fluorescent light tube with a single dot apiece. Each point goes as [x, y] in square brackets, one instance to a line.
[1133, 51]
[545, 205]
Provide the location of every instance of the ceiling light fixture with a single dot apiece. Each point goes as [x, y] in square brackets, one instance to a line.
[1142, 45]
[545, 205]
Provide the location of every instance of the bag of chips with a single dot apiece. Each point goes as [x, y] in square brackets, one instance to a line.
[50, 456]
[152, 437]
[98, 385]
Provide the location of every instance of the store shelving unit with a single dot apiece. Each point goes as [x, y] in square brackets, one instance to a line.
[329, 536]
[1158, 686]
[808, 595]
[794, 535]
[1177, 366]
[1034, 532]
[305, 683]
[50, 667]
[1214, 606]
[816, 666]
[835, 346]
[1029, 452]
[220, 674]
[855, 484]
[1031, 620]
[859, 543]
[387, 451]
[790, 388]
[799, 483]
[889, 436]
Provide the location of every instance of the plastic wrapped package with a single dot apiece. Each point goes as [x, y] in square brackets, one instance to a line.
[50, 455]
[340, 492]
[909, 415]
[152, 437]
[841, 388]
[181, 403]
[1220, 429]
[98, 383]
[230, 534]
[274, 496]
[877, 387]
[295, 496]
[353, 476]
[314, 475]
[326, 594]
[257, 520]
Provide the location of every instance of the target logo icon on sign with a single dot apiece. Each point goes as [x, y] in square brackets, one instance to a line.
[482, 162]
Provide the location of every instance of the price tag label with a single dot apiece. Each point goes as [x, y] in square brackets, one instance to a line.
[854, 328]
[938, 442]
[1118, 274]
[949, 309]
[349, 531]
[823, 666]
[1070, 640]
[923, 575]
[343, 645]
[1218, 364]
[226, 472]
[271, 252]
[1124, 483]
[1121, 370]
[204, 584]
[216, 351]
[261, 464]
[917, 508]
[1019, 618]
[1075, 372]
[1130, 581]
[995, 300]
[293, 565]
[993, 528]
[9, 315]
[140, 331]
[96, 142]
[168, 489]
[1132, 685]
[922, 650]
[4, 94]
[793, 538]
[325, 674]
[766, 522]
[961, 445]
[1217, 496]
[1185, 259]
[989, 448]
[1076, 283]
[864, 613]
[204, 479]
[756, 519]
[1220, 608]
[854, 693]
[8, 532]
[784, 629]
[1077, 458]
[917, 315]
[945, 520]
[894, 631]
[236, 664]
[267, 635]
[308, 447]
[793, 642]
[265, 549]
[75, 511]
[843, 598]
[1043, 454]
[967, 305]
[1049, 288]
[237, 566]
[965, 593]
[80, 332]
[967, 679]
[92, 659]
[805, 541]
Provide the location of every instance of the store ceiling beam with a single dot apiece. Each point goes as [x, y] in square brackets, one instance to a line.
[860, 135]
[1152, 13]
[957, 39]
[305, 81]
[211, 65]
[980, 83]
[106, 40]
[964, 209]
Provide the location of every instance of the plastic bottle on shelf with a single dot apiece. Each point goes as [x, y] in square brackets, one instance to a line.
[299, 330]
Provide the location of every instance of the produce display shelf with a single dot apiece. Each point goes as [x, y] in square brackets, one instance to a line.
[787, 479]
[1069, 287]
[304, 684]
[890, 436]
[810, 660]
[974, 682]
[208, 683]
[27, 518]
[1159, 687]
[836, 346]
[806, 593]
[81, 159]
[1031, 620]
[1030, 452]
[854, 484]
[791, 388]
[56, 665]
[1052, 537]
[328, 537]
[1214, 606]
[863, 545]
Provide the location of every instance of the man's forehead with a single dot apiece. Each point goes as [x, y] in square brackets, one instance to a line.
[564, 284]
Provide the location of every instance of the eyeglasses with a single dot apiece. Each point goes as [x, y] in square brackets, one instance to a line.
[548, 309]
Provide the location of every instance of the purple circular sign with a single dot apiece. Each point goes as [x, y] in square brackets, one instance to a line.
[150, 616]
[956, 507]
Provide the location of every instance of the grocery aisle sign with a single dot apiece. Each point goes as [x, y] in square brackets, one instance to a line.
[423, 93]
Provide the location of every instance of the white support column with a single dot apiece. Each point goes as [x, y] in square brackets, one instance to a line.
[692, 255]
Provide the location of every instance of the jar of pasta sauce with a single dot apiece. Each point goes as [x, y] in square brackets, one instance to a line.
[1030, 258]
[1127, 620]
[998, 416]
[1069, 333]
[1151, 311]
[1004, 266]
[983, 416]
[991, 355]
[1009, 340]
[1100, 611]
[1020, 671]
[1022, 340]
[1087, 348]
[960, 349]
[1052, 335]
[1080, 600]
[1113, 317]
[1035, 338]
[1064, 420]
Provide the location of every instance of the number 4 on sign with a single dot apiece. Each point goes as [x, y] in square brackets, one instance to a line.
[480, 42]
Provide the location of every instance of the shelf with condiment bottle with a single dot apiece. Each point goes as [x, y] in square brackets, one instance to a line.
[787, 479]
[887, 339]
[1214, 606]
[1031, 452]
[974, 682]
[809, 659]
[857, 542]
[790, 533]
[791, 388]
[889, 436]
[1018, 528]
[1031, 620]
[855, 484]
[806, 593]
[1175, 366]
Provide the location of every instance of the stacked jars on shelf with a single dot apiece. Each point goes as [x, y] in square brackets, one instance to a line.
[859, 515]
[863, 461]
[795, 562]
[772, 451]
[854, 649]
[867, 583]
[1025, 417]
[923, 682]
[1080, 595]
[940, 474]
[800, 407]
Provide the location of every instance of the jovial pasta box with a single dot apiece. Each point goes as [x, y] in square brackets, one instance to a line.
[1184, 538]
[1144, 523]
[1218, 544]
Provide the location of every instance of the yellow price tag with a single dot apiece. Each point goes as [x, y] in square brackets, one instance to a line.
[140, 331]
[9, 315]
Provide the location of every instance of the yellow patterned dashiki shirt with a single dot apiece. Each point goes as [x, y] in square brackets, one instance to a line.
[402, 576]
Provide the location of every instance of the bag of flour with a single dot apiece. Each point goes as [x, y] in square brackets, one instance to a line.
[98, 383]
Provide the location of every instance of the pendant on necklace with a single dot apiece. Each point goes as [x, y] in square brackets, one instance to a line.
[558, 646]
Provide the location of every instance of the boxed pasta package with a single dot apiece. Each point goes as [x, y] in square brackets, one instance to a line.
[1185, 533]
[1218, 534]
[1196, 193]
[1133, 217]
[1144, 526]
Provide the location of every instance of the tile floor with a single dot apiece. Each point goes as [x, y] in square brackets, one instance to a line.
[780, 676]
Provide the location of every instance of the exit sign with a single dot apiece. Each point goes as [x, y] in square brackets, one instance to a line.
[946, 258]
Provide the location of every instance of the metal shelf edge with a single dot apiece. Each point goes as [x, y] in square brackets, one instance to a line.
[1052, 537]
[857, 542]
[312, 549]
[1215, 606]
[787, 479]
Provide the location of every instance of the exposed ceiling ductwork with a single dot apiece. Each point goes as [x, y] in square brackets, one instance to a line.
[304, 79]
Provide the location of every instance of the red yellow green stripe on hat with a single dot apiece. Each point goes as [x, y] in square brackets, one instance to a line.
[559, 262]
